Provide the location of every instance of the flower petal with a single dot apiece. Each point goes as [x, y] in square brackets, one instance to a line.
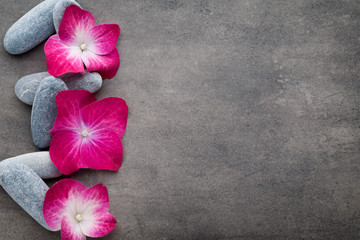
[61, 199]
[105, 65]
[70, 229]
[97, 224]
[65, 151]
[61, 58]
[94, 199]
[104, 38]
[102, 150]
[75, 26]
[108, 113]
[93, 205]
[69, 103]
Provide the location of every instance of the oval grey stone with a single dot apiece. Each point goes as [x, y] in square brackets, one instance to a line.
[90, 81]
[26, 188]
[44, 110]
[59, 10]
[39, 162]
[27, 86]
[31, 29]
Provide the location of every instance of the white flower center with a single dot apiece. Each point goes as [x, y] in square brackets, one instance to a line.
[83, 46]
[78, 217]
[84, 133]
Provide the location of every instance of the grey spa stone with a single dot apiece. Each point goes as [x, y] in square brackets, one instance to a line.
[44, 110]
[31, 29]
[26, 87]
[59, 10]
[90, 81]
[39, 162]
[26, 188]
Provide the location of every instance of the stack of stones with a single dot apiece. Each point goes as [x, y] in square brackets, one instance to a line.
[21, 176]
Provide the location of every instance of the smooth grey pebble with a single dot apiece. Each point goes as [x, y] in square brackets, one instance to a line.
[39, 162]
[26, 188]
[26, 87]
[44, 110]
[59, 10]
[31, 29]
[90, 81]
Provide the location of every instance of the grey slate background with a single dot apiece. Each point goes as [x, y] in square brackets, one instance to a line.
[243, 123]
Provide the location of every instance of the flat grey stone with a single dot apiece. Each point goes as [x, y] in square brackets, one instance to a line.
[39, 162]
[26, 87]
[44, 110]
[59, 10]
[31, 29]
[26, 188]
[90, 81]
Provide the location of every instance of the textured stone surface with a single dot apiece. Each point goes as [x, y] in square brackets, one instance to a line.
[243, 120]
[44, 110]
[59, 9]
[26, 188]
[26, 87]
[89, 81]
[31, 29]
[39, 162]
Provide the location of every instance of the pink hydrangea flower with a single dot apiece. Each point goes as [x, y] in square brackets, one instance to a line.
[87, 133]
[80, 41]
[78, 211]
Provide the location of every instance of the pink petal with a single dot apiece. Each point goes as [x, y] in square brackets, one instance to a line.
[96, 197]
[108, 113]
[61, 58]
[102, 150]
[70, 229]
[97, 224]
[93, 206]
[65, 151]
[104, 38]
[69, 103]
[61, 199]
[75, 26]
[105, 65]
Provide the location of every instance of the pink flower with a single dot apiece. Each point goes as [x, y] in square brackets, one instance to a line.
[80, 41]
[86, 132]
[78, 211]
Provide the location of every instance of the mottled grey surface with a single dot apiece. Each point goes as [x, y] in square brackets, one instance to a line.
[59, 10]
[44, 110]
[243, 120]
[26, 188]
[31, 29]
[90, 81]
[39, 162]
[26, 87]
